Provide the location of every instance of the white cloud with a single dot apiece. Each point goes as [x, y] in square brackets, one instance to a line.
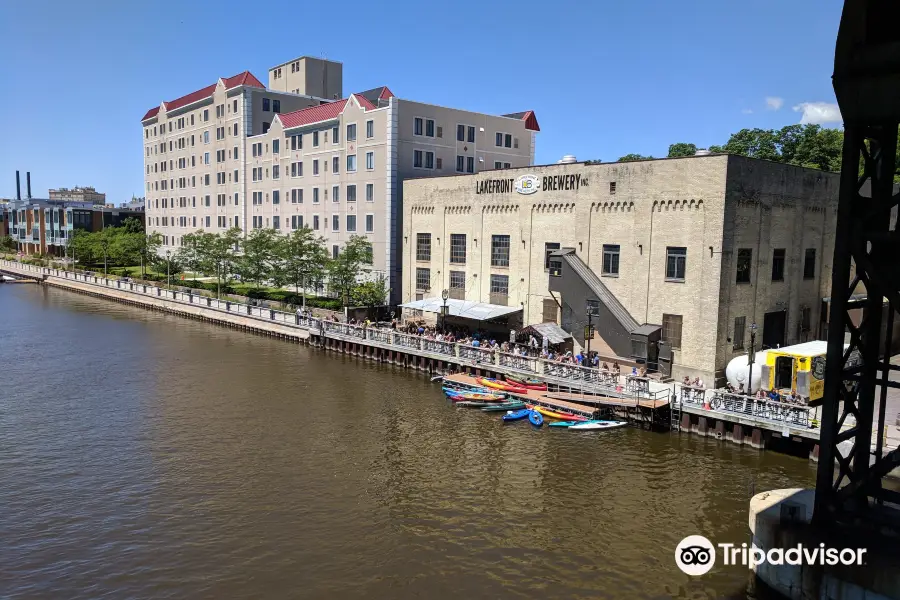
[774, 102]
[818, 113]
[747, 111]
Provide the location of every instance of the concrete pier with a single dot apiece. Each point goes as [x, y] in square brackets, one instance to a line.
[781, 520]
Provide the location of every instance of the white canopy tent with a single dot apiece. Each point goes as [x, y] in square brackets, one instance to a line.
[466, 309]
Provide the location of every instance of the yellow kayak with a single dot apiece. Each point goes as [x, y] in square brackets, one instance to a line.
[557, 415]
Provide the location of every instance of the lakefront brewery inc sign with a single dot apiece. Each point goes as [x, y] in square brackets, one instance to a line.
[529, 184]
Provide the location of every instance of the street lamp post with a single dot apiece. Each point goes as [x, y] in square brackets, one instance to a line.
[445, 294]
[168, 273]
[752, 357]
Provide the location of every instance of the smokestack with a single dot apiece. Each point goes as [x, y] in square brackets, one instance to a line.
[28, 183]
[18, 187]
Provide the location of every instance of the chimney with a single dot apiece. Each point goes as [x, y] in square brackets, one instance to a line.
[28, 183]
[18, 187]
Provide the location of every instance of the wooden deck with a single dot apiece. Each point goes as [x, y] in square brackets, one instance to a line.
[579, 404]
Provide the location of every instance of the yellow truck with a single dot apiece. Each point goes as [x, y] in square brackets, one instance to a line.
[799, 369]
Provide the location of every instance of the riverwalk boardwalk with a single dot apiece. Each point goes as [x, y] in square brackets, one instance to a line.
[571, 387]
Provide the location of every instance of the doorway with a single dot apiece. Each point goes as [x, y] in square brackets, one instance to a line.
[774, 329]
[784, 373]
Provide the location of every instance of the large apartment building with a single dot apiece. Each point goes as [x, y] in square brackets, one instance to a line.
[78, 194]
[239, 154]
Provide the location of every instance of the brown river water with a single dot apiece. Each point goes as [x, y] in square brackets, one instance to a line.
[147, 456]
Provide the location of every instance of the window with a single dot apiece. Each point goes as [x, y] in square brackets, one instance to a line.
[458, 248]
[276, 197]
[676, 260]
[315, 195]
[429, 128]
[370, 160]
[458, 283]
[315, 167]
[423, 279]
[429, 160]
[276, 220]
[498, 139]
[315, 139]
[470, 164]
[351, 163]
[370, 129]
[265, 105]
[499, 250]
[550, 311]
[610, 259]
[805, 318]
[809, 264]
[553, 264]
[276, 170]
[235, 105]
[205, 158]
[417, 159]
[460, 164]
[315, 222]
[335, 193]
[266, 127]
[235, 175]
[418, 123]
[351, 132]
[235, 131]
[276, 108]
[335, 222]
[423, 246]
[612, 188]
[744, 263]
[471, 134]
[498, 164]
[297, 142]
[370, 192]
[351, 193]
[297, 169]
[671, 330]
[778, 264]
[276, 147]
[370, 223]
[507, 141]
[351, 223]
[460, 133]
[439, 163]
[499, 289]
[740, 324]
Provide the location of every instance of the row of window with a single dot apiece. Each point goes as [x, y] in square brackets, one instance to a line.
[185, 142]
[499, 284]
[500, 245]
[188, 121]
[745, 264]
[258, 222]
[296, 196]
[464, 133]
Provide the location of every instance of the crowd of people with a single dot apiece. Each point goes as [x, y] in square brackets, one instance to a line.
[772, 395]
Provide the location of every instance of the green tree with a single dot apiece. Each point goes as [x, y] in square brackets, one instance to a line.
[755, 143]
[218, 254]
[84, 247]
[149, 245]
[371, 293]
[7, 243]
[132, 225]
[345, 270]
[682, 149]
[301, 259]
[633, 157]
[189, 254]
[257, 261]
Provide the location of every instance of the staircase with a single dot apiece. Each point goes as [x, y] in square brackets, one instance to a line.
[603, 294]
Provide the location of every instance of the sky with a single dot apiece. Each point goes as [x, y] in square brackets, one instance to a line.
[605, 78]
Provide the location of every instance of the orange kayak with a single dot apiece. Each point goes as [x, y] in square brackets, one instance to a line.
[501, 385]
[553, 414]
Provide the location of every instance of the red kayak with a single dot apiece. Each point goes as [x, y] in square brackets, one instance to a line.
[501, 385]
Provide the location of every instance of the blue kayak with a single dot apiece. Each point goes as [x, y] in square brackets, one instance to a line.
[565, 423]
[515, 415]
[536, 418]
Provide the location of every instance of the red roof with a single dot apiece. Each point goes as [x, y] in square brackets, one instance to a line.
[313, 114]
[245, 78]
[531, 121]
[364, 102]
[386, 93]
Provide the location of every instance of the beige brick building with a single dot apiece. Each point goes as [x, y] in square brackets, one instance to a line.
[78, 194]
[239, 154]
[701, 246]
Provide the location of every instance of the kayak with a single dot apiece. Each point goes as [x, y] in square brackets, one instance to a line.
[536, 419]
[498, 406]
[539, 387]
[598, 425]
[478, 397]
[501, 385]
[515, 415]
[471, 404]
[554, 414]
[524, 382]
[565, 423]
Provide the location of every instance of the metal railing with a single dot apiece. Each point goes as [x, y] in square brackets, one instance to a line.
[797, 415]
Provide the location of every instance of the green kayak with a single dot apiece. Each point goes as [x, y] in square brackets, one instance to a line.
[494, 407]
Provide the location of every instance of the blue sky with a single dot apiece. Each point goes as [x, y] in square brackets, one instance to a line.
[605, 78]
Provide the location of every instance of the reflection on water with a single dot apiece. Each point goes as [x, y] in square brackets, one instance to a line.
[146, 455]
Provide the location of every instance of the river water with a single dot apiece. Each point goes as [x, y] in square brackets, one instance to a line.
[144, 455]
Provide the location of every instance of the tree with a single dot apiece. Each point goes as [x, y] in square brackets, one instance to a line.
[633, 157]
[755, 143]
[218, 254]
[189, 252]
[84, 247]
[257, 262]
[132, 225]
[682, 149]
[149, 248]
[7, 243]
[371, 293]
[344, 271]
[301, 259]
